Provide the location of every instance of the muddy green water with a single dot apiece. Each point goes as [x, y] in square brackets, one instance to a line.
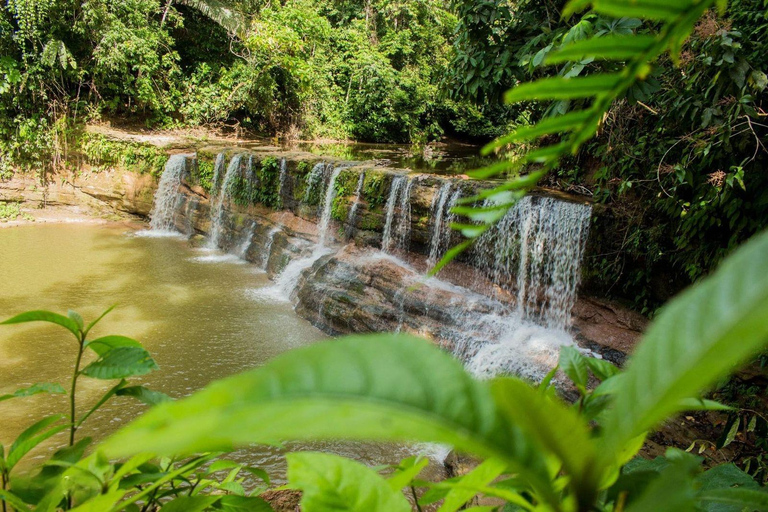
[190, 308]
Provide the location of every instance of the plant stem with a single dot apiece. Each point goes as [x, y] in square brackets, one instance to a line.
[73, 388]
[4, 484]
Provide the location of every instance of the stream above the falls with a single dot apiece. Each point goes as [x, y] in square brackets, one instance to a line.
[192, 308]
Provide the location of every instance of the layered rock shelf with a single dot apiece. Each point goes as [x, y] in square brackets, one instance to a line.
[333, 269]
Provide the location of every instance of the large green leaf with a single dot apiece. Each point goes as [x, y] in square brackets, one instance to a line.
[332, 483]
[608, 47]
[558, 429]
[13, 500]
[698, 338]
[121, 362]
[40, 387]
[387, 387]
[45, 316]
[560, 88]
[32, 437]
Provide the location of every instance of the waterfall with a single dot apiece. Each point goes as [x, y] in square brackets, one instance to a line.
[535, 253]
[245, 244]
[283, 179]
[314, 179]
[167, 196]
[325, 216]
[250, 177]
[268, 247]
[218, 168]
[352, 216]
[288, 280]
[440, 237]
[219, 200]
[397, 229]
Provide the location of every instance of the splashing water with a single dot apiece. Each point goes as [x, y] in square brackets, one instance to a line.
[540, 243]
[325, 216]
[219, 201]
[440, 237]
[268, 246]
[352, 216]
[397, 230]
[245, 244]
[314, 180]
[283, 179]
[168, 195]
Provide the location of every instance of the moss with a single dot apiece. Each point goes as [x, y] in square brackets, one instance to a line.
[376, 188]
[340, 208]
[102, 153]
[371, 222]
[202, 173]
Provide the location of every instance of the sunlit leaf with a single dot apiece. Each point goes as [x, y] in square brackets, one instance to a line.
[332, 483]
[698, 338]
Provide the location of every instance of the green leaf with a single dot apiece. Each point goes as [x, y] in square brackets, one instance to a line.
[466, 487]
[233, 503]
[14, 501]
[45, 316]
[120, 363]
[558, 124]
[701, 404]
[332, 483]
[673, 490]
[106, 343]
[574, 365]
[360, 387]
[740, 499]
[190, 504]
[101, 503]
[697, 339]
[144, 395]
[31, 437]
[258, 473]
[75, 317]
[556, 428]
[40, 387]
[660, 10]
[105, 313]
[560, 88]
[407, 470]
[608, 47]
[601, 368]
[235, 488]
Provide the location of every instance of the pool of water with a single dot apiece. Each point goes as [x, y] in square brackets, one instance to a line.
[194, 310]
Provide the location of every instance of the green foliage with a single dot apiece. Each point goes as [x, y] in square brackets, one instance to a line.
[376, 189]
[12, 211]
[102, 153]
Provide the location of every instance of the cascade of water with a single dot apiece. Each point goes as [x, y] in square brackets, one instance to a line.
[440, 236]
[397, 229]
[250, 177]
[539, 244]
[246, 242]
[352, 216]
[314, 180]
[219, 201]
[167, 196]
[283, 179]
[325, 216]
[218, 169]
[268, 246]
